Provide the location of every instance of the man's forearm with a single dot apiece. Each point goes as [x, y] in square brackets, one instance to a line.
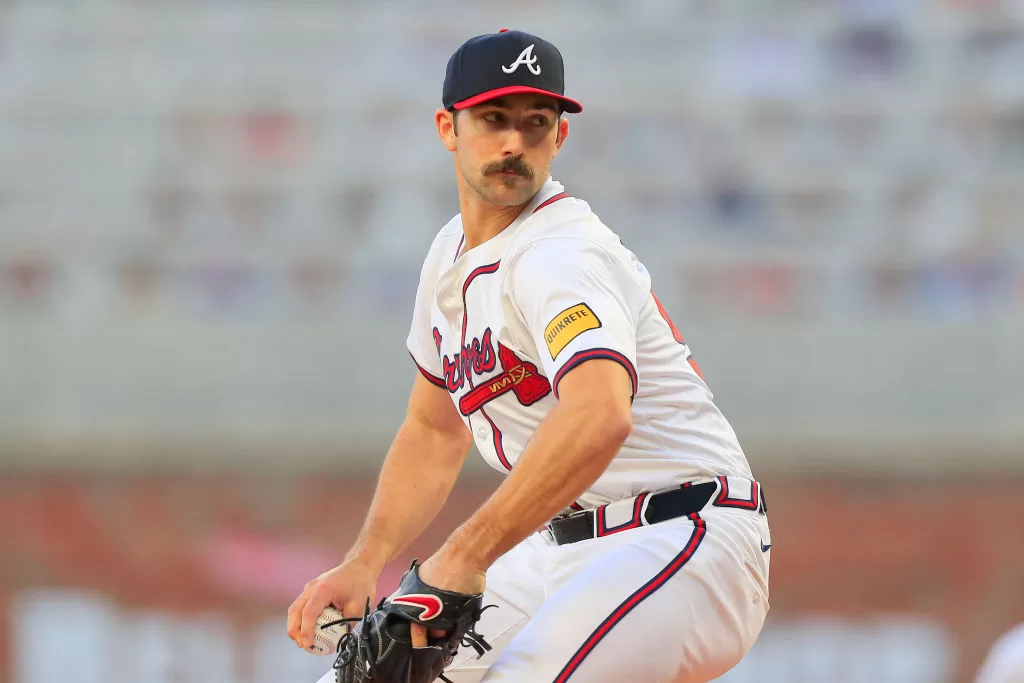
[418, 474]
[568, 452]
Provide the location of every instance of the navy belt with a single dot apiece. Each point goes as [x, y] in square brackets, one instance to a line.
[652, 508]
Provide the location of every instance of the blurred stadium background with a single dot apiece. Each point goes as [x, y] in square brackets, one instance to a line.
[212, 215]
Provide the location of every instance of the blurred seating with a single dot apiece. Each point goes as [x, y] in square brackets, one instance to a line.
[229, 159]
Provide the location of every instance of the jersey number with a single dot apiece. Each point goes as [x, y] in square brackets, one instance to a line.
[677, 335]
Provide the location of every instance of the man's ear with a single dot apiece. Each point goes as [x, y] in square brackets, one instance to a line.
[445, 121]
[561, 134]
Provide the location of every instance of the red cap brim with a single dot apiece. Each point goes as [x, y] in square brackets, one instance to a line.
[568, 105]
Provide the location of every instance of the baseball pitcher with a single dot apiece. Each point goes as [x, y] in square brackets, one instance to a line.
[629, 539]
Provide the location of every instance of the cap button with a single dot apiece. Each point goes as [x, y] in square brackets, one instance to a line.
[502, 30]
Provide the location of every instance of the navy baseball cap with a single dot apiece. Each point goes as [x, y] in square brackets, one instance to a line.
[504, 63]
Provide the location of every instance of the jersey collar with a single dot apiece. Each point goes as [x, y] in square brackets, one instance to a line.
[495, 246]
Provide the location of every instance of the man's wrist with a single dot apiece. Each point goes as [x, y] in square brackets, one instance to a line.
[374, 558]
[474, 544]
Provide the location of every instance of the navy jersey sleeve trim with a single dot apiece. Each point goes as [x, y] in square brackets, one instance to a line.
[581, 357]
[436, 381]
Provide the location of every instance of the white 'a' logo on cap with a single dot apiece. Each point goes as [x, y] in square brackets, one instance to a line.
[525, 57]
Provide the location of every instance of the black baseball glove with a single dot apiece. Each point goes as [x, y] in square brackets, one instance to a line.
[379, 647]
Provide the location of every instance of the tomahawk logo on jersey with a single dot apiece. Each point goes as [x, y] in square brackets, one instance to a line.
[499, 326]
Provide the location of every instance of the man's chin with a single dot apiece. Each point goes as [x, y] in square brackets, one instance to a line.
[511, 191]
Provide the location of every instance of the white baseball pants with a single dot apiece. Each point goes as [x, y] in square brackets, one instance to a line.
[681, 601]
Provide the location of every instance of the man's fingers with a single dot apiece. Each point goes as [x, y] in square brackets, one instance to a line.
[295, 616]
[353, 608]
[418, 633]
[318, 599]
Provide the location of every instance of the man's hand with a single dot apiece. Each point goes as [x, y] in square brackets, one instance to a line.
[448, 570]
[347, 587]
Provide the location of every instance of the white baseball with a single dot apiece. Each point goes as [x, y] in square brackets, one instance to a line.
[328, 632]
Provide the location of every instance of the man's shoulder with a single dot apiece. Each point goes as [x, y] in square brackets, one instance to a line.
[445, 244]
[452, 230]
[566, 229]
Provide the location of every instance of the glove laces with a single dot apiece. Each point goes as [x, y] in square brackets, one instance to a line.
[347, 648]
[474, 640]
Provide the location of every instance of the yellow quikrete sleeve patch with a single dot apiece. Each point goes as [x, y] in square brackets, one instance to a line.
[567, 325]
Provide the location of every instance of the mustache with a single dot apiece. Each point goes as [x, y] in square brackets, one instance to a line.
[510, 165]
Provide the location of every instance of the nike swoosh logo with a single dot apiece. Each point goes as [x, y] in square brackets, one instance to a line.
[429, 605]
[765, 548]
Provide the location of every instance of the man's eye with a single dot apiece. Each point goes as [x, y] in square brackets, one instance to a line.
[493, 117]
[540, 121]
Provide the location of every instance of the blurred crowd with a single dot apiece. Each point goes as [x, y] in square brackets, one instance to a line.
[810, 158]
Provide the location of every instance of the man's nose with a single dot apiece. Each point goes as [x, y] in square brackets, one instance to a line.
[513, 145]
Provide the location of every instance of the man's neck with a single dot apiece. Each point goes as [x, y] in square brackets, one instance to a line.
[482, 221]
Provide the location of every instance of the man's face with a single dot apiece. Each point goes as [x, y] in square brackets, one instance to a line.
[504, 147]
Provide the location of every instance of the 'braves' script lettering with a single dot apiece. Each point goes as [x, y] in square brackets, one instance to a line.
[476, 358]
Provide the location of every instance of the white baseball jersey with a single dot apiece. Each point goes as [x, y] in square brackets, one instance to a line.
[680, 600]
[498, 326]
